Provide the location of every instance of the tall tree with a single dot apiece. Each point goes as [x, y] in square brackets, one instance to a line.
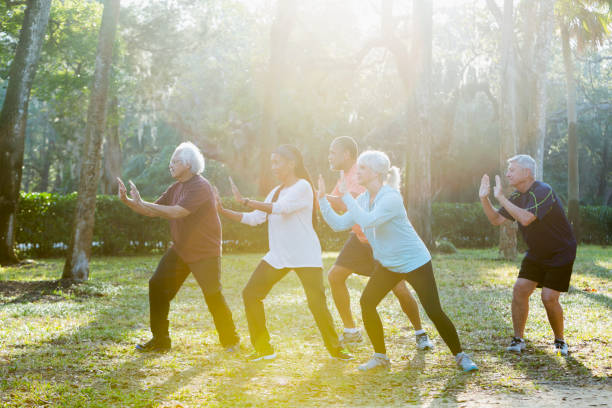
[418, 190]
[508, 133]
[13, 119]
[77, 261]
[279, 39]
[587, 21]
[112, 149]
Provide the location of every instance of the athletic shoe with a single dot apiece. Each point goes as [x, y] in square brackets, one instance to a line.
[517, 345]
[258, 356]
[351, 338]
[234, 349]
[423, 342]
[156, 344]
[377, 361]
[342, 355]
[561, 348]
[465, 362]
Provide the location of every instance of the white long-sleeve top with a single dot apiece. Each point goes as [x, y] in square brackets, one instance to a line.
[293, 241]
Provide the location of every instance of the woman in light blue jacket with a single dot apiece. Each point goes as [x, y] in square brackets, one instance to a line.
[399, 251]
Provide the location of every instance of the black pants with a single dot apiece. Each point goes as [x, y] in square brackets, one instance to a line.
[258, 287]
[168, 279]
[424, 283]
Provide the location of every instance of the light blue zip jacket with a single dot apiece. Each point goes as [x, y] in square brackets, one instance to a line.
[395, 243]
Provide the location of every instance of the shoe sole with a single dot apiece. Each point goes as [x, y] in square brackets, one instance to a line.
[380, 367]
[268, 357]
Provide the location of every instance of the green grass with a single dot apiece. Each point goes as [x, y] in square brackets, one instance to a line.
[73, 346]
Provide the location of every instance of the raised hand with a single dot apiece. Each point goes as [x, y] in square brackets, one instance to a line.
[342, 188]
[134, 193]
[235, 191]
[121, 191]
[321, 187]
[485, 186]
[498, 190]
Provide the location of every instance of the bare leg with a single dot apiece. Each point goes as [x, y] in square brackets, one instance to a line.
[408, 304]
[337, 276]
[523, 288]
[550, 299]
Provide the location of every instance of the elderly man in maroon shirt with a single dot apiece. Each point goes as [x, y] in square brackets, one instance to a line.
[189, 205]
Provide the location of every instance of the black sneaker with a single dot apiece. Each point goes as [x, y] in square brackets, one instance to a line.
[342, 355]
[158, 345]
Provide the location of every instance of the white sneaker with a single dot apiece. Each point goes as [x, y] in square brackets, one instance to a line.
[561, 348]
[423, 342]
[377, 361]
[516, 345]
[465, 362]
[350, 338]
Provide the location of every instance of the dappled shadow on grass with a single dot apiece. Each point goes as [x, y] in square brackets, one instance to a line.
[44, 290]
[605, 300]
[590, 268]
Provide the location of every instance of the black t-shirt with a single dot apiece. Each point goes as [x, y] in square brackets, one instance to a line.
[549, 237]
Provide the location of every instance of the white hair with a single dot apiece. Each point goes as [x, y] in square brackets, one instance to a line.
[189, 154]
[379, 163]
[525, 161]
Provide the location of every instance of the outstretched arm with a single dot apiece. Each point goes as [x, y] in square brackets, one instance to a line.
[140, 206]
[336, 222]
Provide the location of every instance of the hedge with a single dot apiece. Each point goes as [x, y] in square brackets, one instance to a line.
[44, 223]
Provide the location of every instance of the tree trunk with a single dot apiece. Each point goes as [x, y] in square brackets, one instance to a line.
[603, 176]
[507, 121]
[279, 39]
[573, 193]
[13, 119]
[542, 54]
[112, 150]
[419, 163]
[77, 261]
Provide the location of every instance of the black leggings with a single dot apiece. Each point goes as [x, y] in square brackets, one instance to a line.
[424, 283]
[258, 287]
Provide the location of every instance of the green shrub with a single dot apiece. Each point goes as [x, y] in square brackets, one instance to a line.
[44, 223]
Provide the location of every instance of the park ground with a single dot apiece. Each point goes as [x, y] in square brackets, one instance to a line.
[73, 345]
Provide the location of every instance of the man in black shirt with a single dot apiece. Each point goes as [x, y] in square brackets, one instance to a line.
[550, 241]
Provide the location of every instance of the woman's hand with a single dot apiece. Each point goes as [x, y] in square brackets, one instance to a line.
[321, 188]
[237, 196]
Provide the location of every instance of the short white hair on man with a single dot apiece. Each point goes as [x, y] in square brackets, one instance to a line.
[190, 155]
[525, 161]
[379, 163]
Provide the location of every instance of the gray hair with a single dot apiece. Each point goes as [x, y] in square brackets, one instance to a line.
[525, 161]
[189, 154]
[379, 163]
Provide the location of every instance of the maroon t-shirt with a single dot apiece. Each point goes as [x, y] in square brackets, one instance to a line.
[198, 235]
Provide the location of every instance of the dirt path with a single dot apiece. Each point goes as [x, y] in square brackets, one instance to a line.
[547, 397]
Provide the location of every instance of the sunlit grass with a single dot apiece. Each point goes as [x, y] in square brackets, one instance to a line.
[74, 347]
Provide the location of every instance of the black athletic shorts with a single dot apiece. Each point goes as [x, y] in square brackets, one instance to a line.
[553, 277]
[356, 256]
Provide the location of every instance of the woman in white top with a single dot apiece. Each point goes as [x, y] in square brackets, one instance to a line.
[294, 245]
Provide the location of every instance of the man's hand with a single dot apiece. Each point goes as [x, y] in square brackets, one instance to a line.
[498, 190]
[122, 191]
[485, 186]
[321, 190]
[134, 193]
[342, 188]
[235, 191]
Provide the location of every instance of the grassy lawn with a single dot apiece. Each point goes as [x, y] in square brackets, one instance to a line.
[74, 346]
